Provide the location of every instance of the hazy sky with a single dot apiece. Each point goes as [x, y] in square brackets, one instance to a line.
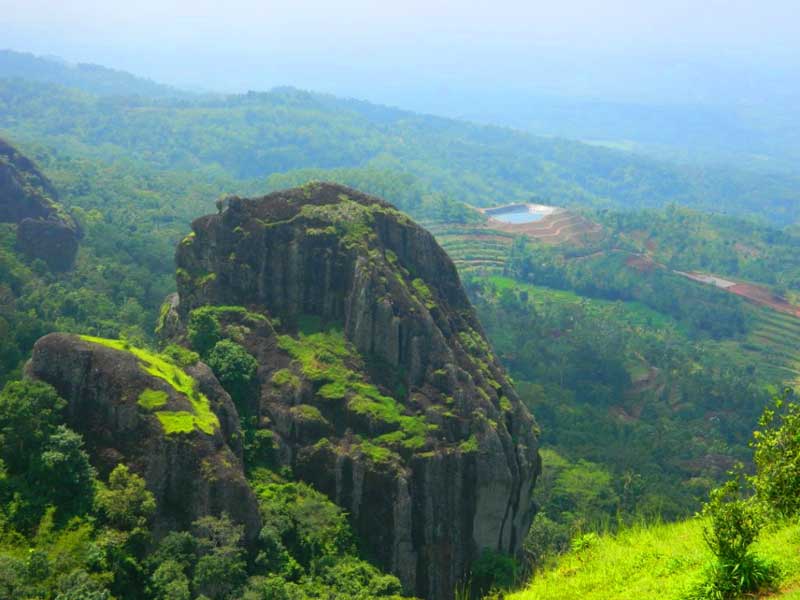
[412, 49]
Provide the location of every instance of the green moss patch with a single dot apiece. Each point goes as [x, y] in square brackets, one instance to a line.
[156, 365]
[323, 357]
[352, 222]
[423, 293]
[374, 452]
[152, 399]
[175, 422]
[285, 378]
[469, 445]
[306, 412]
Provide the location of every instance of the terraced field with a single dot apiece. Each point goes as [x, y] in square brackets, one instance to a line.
[473, 250]
[776, 336]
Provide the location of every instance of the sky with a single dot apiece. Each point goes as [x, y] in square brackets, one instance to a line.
[419, 53]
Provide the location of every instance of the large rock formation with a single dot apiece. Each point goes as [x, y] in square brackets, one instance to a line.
[45, 230]
[375, 375]
[177, 428]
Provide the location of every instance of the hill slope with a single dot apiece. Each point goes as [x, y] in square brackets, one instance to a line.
[651, 563]
[260, 134]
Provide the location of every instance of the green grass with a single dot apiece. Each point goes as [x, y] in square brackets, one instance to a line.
[323, 358]
[424, 293]
[657, 562]
[175, 422]
[152, 399]
[163, 368]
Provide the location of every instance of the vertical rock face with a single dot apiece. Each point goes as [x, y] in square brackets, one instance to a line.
[45, 230]
[178, 429]
[375, 375]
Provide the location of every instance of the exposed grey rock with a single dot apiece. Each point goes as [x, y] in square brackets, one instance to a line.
[191, 474]
[424, 511]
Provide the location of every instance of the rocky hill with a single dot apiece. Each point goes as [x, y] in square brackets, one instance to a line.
[44, 229]
[175, 426]
[374, 376]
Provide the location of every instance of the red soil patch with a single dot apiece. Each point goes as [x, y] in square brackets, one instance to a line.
[763, 296]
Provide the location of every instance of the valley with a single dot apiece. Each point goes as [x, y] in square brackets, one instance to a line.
[311, 347]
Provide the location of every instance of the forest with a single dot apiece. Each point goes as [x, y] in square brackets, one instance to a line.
[646, 387]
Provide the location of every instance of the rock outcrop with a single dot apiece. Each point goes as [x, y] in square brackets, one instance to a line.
[375, 376]
[45, 230]
[177, 428]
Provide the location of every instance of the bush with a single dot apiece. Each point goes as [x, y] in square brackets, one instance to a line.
[204, 329]
[545, 538]
[235, 368]
[777, 456]
[734, 524]
[493, 570]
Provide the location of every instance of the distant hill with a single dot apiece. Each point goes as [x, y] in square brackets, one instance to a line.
[90, 78]
[302, 135]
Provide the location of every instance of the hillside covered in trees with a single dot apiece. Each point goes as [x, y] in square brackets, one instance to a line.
[646, 385]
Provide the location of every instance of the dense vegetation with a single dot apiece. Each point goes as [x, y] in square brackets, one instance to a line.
[259, 134]
[743, 544]
[66, 533]
[641, 380]
[642, 418]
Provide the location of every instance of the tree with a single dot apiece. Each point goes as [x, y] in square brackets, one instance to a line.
[221, 570]
[204, 329]
[169, 582]
[30, 411]
[62, 474]
[125, 502]
[234, 367]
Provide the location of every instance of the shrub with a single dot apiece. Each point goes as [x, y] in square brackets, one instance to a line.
[204, 329]
[493, 570]
[776, 448]
[234, 367]
[734, 524]
[545, 538]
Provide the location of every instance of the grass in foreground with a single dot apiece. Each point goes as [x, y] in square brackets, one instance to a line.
[658, 562]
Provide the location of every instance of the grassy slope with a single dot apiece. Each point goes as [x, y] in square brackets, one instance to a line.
[652, 563]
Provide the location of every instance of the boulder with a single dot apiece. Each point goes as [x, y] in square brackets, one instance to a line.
[177, 428]
[45, 230]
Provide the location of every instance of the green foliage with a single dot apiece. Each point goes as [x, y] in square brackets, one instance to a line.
[160, 366]
[181, 356]
[329, 361]
[125, 502]
[169, 582]
[734, 525]
[152, 399]
[423, 293]
[776, 446]
[493, 570]
[626, 389]
[30, 412]
[62, 475]
[307, 551]
[546, 538]
[234, 367]
[649, 562]
[43, 462]
[204, 329]
[309, 525]
[221, 569]
[177, 422]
